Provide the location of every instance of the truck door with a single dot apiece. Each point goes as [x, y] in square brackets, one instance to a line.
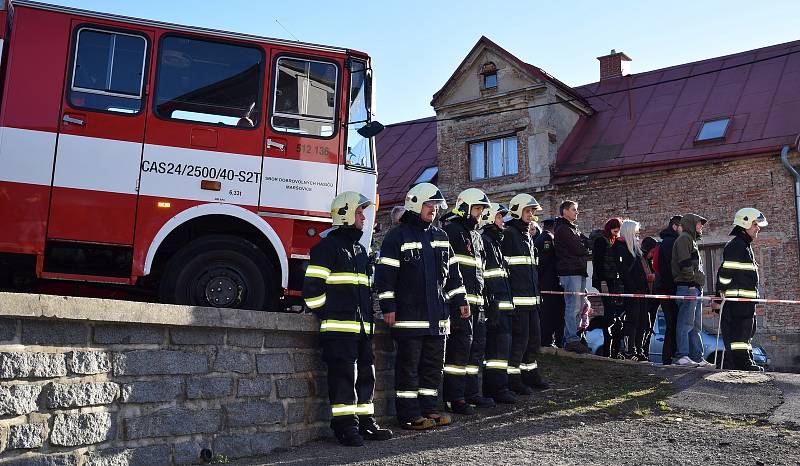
[303, 135]
[100, 138]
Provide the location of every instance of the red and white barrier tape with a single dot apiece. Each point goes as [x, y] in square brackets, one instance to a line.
[665, 296]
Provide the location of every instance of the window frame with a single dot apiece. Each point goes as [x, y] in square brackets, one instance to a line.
[430, 179]
[259, 98]
[711, 255]
[486, 157]
[142, 97]
[486, 76]
[336, 100]
[717, 138]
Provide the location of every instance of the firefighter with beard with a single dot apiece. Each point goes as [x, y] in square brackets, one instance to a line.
[738, 277]
[499, 308]
[417, 281]
[523, 369]
[467, 341]
[336, 289]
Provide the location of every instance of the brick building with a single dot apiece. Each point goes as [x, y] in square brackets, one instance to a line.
[702, 137]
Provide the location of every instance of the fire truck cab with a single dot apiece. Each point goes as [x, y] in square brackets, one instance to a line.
[195, 162]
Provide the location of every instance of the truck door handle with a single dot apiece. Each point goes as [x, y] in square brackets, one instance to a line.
[73, 120]
[278, 145]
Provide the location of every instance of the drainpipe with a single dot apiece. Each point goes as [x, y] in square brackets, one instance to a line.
[793, 171]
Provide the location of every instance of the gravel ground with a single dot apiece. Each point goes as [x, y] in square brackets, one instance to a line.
[597, 413]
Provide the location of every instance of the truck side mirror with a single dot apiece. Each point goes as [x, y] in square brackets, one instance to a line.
[371, 129]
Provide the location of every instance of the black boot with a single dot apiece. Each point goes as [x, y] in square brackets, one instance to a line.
[370, 430]
[350, 437]
[535, 380]
[480, 401]
[505, 397]
[460, 407]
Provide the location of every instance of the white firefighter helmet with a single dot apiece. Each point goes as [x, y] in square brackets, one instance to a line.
[519, 202]
[489, 214]
[343, 207]
[468, 198]
[745, 217]
[422, 193]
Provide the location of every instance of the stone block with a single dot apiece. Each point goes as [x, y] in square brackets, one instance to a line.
[187, 452]
[159, 362]
[173, 422]
[245, 338]
[153, 455]
[260, 386]
[32, 365]
[254, 413]
[152, 391]
[302, 436]
[320, 411]
[19, 399]
[234, 361]
[300, 340]
[304, 362]
[81, 394]
[89, 362]
[296, 412]
[196, 336]
[8, 329]
[215, 387]
[53, 332]
[44, 460]
[320, 386]
[244, 445]
[384, 380]
[25, 436]
[277, 363]
[128, 334]
[70, 430]
[293, 388]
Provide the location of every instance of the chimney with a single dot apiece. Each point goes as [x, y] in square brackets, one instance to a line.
[614, 65]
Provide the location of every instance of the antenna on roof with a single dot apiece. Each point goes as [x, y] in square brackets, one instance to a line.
[613, 51]
[284, 28]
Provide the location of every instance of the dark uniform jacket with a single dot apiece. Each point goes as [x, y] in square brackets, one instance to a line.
[522, 261]
[738, 275]
[545, 248]
[336, 284]
[469, 254]
[498, 288]
[416, 276]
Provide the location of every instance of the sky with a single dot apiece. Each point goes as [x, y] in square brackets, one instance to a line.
[416, 45]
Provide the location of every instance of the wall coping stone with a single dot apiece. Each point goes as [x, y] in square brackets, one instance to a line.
[39, 306]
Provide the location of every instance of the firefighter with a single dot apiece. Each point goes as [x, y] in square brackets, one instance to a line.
[499, 308]
[738, 277]
[467, 340]
[416, 280]
[523, 369]
[336, 288]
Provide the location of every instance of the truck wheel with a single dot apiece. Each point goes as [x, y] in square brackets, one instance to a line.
[219, 271]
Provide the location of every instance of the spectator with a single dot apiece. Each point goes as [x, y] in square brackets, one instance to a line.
[397, 212]
[650, 247]
[572, 253]
[687, 268]
[606, 279]
[634, 280]
[551, 314]
[665, 284]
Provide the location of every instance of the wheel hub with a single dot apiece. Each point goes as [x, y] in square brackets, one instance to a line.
[222, 289]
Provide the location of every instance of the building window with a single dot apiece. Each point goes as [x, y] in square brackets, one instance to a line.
[713, 129]
[490, 81]
[427, 175]
[712, 258]
[493, 158]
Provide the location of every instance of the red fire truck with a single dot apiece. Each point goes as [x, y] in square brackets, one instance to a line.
[196, 163]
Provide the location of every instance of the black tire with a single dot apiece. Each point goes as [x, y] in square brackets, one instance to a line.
[219, 271]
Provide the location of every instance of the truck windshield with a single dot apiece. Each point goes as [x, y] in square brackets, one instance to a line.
[359, 148]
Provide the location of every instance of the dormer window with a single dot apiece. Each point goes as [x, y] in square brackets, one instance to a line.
[489, 73]
[713, 130]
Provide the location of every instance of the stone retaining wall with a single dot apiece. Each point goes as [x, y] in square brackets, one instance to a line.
[101, 382]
